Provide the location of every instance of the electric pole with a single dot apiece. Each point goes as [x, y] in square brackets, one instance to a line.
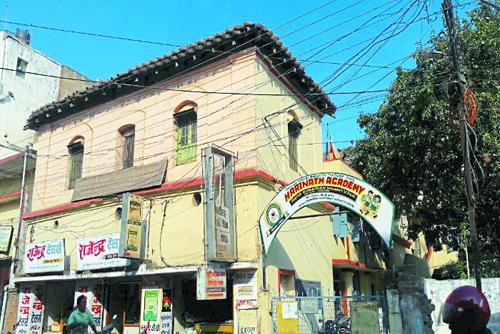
[458, 89]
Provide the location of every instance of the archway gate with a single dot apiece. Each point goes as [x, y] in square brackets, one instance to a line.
[354, 194]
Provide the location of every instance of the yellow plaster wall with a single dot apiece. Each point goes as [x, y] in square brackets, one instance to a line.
[247, 229]
[8, 185]
[99, 220]
[339, 166]
[181, 241]
[9, 215]
[9, 209]
[272, 149]
[442, 258]
[178, 238]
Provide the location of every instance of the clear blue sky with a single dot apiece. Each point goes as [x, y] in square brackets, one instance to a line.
[183, 22]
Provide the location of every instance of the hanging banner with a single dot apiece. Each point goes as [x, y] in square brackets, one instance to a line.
[245, 298]
[5, 238]
[220, 237]
[99, 253]
[30, 310]
[341, 189]
[131, 231]
[44, 257]
[245, 290]
[151, 310]
[211, 283]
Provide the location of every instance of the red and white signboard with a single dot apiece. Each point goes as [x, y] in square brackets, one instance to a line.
[211, 283]
[44, 257]
[30, 310]
[99, 253]
[245, 290]
[93, 292]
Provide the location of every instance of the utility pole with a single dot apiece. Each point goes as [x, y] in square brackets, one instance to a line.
[458, 85]
[28, 153]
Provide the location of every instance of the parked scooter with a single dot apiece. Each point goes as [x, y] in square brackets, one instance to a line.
[107, 329]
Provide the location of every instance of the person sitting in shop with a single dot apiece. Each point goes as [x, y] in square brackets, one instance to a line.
[81, 318]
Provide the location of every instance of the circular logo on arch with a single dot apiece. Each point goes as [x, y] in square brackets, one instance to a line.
[273, 214]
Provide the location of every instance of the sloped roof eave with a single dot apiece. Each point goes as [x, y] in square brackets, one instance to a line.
[239, 38]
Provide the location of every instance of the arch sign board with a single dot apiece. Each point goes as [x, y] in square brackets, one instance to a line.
[349, 192]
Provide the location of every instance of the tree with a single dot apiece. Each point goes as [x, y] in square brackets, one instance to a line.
[412, 148]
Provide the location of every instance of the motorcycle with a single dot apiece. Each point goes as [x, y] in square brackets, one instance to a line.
[341, 326]
[107, 329]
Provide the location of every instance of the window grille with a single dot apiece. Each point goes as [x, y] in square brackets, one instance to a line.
[75, 163]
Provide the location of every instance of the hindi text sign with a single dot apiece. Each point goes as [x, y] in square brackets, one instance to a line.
[5, 238]
[211, 283]
[99, 253]
[30, 310]
[44, 257]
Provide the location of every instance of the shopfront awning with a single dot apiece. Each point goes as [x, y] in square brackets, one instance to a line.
[142, 271]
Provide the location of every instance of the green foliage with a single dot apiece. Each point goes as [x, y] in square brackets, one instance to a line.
[455, 270]
[412, 148]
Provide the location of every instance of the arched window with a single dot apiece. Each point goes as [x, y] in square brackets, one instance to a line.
[75, 167]
[294, 128]
[185, 116]
[127, 144]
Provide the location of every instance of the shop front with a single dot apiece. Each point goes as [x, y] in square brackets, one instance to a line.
[49, 288]
[210, 299]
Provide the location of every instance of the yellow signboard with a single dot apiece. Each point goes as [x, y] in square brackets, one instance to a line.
[288, 320]
[131, 233]
[247, 322]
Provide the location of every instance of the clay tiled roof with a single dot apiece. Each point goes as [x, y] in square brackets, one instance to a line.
[205, 51]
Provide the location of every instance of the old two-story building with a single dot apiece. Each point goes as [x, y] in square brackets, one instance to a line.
[149, 187]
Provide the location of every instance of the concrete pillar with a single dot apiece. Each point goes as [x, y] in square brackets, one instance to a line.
[346, 281]
[395, 323]
[10, 310]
